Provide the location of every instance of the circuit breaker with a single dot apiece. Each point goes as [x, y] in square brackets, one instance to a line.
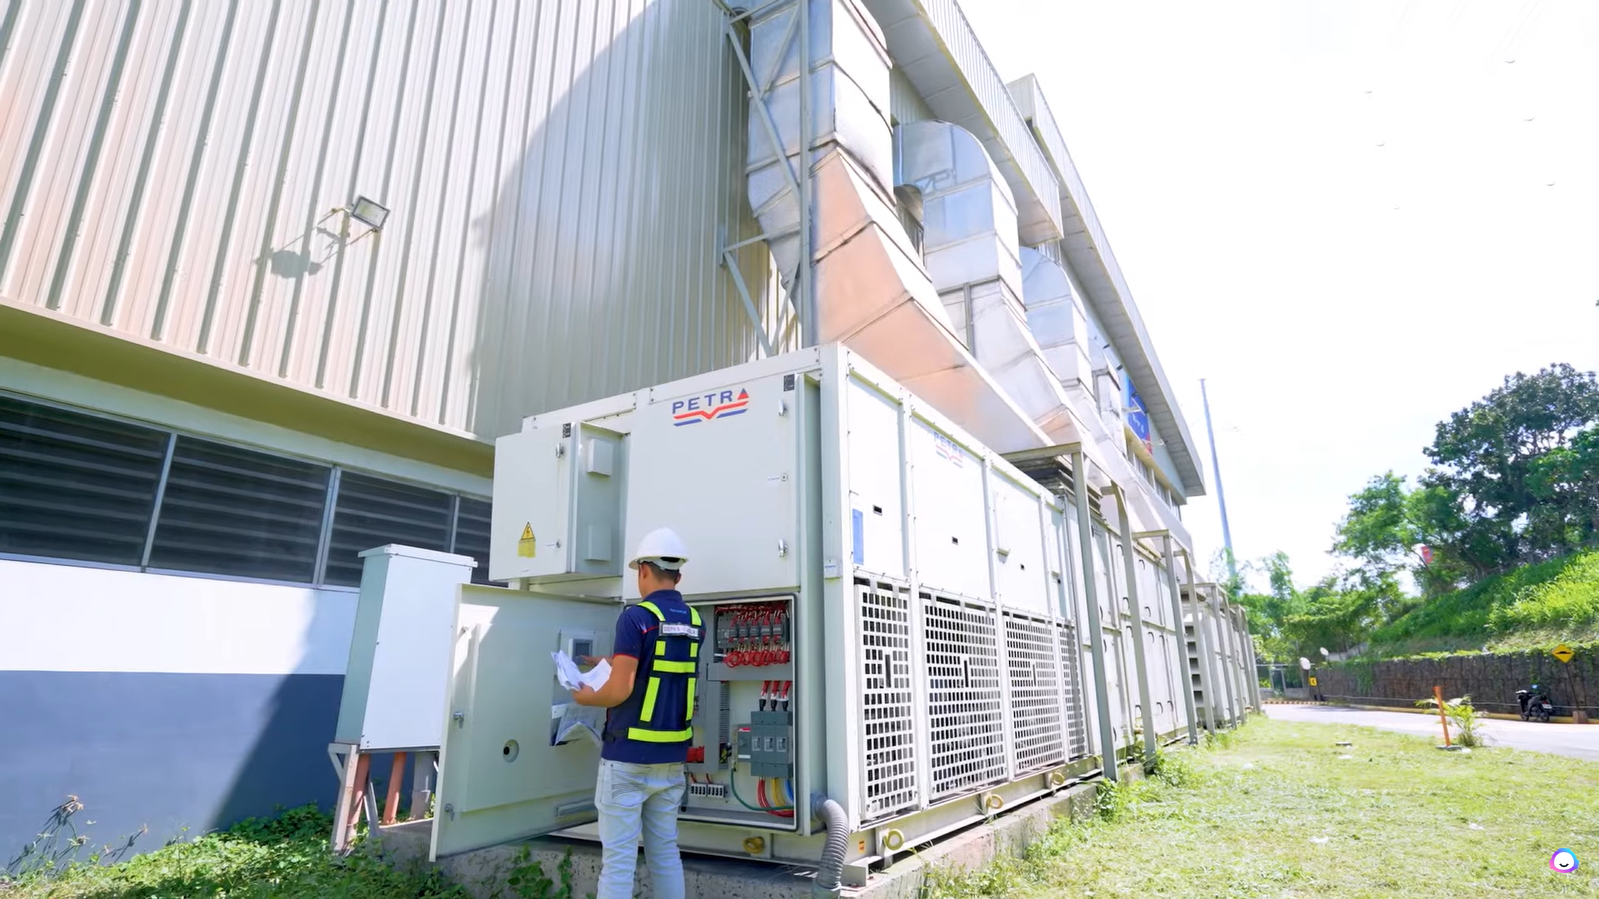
[767, 744]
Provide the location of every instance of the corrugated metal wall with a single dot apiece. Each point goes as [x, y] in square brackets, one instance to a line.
[557, 171]
[904, 103]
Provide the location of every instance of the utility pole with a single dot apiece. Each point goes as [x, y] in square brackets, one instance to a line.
[1221, 495]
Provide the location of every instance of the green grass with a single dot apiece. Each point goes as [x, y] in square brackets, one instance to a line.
[282, 857]
[1531, 608]
[1279, 814]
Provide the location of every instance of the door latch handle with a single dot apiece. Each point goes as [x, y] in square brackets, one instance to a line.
[460, 719]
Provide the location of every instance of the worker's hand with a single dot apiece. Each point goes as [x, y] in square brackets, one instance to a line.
[585, 695]
[590, 660]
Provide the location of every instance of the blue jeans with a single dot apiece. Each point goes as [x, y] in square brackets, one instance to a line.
[635, 801]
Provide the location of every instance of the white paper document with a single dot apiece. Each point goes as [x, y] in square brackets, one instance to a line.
[572, 720]
[571, 678]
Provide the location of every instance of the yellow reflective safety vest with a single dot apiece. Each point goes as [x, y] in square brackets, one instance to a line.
[653, 725]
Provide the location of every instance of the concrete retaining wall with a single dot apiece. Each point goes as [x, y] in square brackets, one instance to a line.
[1490, 680]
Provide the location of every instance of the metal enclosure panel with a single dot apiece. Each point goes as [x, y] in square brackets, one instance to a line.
[876, 469]
[951, 519]
[559, 179]
[558, 503]
[393, 697]
[1020, 574]
[499, 777]
[721, 467]
[532, 505]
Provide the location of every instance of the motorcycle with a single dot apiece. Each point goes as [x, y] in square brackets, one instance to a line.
[1535, 704]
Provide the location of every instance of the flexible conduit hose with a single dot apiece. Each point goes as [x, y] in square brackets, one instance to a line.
[831, 868]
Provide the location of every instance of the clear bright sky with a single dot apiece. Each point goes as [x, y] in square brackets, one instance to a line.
[1351, 218]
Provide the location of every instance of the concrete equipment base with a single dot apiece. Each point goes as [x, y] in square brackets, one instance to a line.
[484, 872]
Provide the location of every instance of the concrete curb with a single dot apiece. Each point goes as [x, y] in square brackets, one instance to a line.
[1501, 716]
[483, 873]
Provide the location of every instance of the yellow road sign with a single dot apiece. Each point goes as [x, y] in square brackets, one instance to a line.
[1313, 682]
[1563, 653]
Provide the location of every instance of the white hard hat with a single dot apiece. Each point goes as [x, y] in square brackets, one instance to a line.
[661, 547]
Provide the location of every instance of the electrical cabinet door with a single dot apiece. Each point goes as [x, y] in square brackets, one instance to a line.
[499, 777]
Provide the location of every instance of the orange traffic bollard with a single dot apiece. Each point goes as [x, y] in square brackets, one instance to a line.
[1438, 694]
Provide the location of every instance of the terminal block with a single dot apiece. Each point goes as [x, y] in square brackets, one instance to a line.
[708, 791]
[766, 744]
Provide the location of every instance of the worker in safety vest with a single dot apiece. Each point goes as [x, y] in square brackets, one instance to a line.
[650, 698]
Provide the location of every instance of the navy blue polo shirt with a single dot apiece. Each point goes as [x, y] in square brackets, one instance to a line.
[636, 637]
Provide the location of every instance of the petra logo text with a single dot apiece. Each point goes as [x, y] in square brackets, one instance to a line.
[710, 407]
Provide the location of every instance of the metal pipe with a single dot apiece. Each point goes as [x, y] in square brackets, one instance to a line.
[1096, 634]
[809, 327]
[1221, 495]
[749, 303]
[1135, 611]
[766, 117]
[1177, 620]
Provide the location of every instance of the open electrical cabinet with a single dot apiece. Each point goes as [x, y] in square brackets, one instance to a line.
[571, 494]
[504, 775]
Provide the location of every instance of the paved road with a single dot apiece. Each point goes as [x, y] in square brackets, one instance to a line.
[1575, 740]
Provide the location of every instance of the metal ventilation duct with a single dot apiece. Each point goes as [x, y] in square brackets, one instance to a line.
[870, 289]
[970, 245]
[1060, 328]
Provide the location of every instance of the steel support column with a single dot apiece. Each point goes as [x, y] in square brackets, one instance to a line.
[1096, 635]
[1135, 611]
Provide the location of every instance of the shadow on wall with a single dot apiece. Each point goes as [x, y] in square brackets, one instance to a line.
[173, 754]
[582, 193]
[600, 273]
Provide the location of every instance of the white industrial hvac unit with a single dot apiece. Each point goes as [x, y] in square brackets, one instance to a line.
[887, 616]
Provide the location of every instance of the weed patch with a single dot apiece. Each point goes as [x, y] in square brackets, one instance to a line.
[286, 857]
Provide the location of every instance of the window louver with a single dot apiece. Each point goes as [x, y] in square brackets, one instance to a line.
[240, 513]
[472, 535]
[372, 512]
[75, 486]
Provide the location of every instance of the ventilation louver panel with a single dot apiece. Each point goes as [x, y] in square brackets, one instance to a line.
[888, 710]
[372, 512]
[472, 535]
[1035, 687]
[238, 512]
[1071, 656]
[965, 701]
[74, 486]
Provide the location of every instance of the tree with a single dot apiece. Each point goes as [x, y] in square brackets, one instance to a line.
[1565, 483]
[1338, 613]
[1266, 611]
[1379, 530]
[1388, 525]
[1489, 456]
